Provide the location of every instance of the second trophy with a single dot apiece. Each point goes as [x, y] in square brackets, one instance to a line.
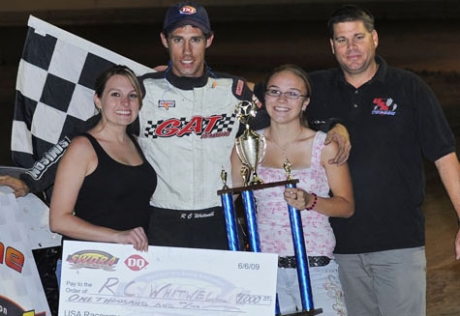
[250, 146]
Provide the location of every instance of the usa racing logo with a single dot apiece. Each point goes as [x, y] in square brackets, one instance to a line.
[92, 259]
[384, 106]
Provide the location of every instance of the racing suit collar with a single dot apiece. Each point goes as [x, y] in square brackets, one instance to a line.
[187, 83]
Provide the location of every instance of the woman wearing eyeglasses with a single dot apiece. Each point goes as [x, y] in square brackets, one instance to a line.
[289, 142]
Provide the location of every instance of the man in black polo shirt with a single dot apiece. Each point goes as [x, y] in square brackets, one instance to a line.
[392, 117]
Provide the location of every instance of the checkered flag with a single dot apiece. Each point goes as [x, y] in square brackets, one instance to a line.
[54, 89]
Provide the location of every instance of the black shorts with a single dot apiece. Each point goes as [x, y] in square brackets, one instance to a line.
[190, 229]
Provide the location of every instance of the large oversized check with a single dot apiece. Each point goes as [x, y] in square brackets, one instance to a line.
[34, 214]
[21, 292]
[112, 280]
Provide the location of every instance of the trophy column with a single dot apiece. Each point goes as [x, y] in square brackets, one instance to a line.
[303, 273]
[231, 222]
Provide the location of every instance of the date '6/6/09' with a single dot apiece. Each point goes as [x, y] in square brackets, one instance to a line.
[248, 266]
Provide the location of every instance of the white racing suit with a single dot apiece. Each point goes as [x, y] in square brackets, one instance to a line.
[187, 128]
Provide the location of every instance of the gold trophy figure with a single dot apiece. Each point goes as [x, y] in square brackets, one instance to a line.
[223, 176]
[250, 146]
[287, 166]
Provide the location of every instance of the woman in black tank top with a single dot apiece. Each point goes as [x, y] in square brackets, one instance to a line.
[104, 183]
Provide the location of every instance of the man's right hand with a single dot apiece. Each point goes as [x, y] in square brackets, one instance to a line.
[19, 187]
[339, 134]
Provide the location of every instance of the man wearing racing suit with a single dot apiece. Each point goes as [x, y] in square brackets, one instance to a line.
[187, 130]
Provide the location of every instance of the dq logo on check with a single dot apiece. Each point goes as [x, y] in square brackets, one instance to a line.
[136, 262]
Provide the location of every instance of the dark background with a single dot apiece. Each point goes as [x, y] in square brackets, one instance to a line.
[421, 36]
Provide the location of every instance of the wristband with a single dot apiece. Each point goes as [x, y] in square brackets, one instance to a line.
[315, 200]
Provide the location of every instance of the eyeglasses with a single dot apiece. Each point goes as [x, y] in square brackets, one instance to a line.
[291, 95]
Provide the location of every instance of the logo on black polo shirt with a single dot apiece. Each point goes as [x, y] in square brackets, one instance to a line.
[384, 106]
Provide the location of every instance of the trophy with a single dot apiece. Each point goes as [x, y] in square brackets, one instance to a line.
[250, 147]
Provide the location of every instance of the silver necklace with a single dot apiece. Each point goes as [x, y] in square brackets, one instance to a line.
[287, 163]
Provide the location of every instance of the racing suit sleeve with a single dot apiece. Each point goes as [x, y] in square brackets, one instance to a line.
[40, 177]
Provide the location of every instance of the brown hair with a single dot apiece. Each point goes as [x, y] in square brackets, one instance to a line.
[121, 70]
[350, 13]
[302, 74]
[296, 70]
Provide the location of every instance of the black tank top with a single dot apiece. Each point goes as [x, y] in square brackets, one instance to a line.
[115, 195]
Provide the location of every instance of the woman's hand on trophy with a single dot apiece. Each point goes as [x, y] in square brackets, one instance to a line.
[300, 199]
[295, 198]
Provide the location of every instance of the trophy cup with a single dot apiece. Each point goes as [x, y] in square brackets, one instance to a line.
[250, 147]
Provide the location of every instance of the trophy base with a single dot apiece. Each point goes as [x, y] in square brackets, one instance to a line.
[304, 313]
[256, 186]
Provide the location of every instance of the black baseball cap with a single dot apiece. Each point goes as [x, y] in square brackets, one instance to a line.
[186, 13]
